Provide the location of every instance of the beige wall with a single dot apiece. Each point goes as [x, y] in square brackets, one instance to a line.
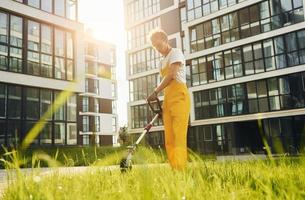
[169, 22]
[166, 3]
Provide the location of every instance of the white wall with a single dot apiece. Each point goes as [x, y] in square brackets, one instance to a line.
[105, 88]
[106, 124]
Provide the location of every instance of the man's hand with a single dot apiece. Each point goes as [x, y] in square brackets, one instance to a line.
[152, 97]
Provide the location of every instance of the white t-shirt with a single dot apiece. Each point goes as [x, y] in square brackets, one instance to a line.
[176, 55]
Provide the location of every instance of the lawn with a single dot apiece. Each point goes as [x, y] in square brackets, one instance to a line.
[283, 178]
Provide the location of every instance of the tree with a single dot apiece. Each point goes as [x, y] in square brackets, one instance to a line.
[123, 134]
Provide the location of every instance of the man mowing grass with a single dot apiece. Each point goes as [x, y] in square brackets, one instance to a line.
[176, 104]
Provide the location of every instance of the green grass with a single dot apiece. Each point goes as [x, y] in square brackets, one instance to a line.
[282, 178]
[64, 156]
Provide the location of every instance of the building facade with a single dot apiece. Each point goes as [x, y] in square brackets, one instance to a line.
[245, 63]
[97, 108]
[42, 54]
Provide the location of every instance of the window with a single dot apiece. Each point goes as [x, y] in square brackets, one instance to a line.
[16, 31]
[32, 104]
[72, 134]
[59, 42]
[3, 99]
[60, 113]
[242, 23]
[60, 132]
[14, 102]
[85, 123]
[13, 132]
[96, 124]
[96, 105]
[252, 97]
[34, 3]
[16, 41]
[45, 102]
[46, 39]
[71, 108]
[46, 134]
[71, 9]
[46, 5]
[59, 6]
[60, 70]
[273, 93]
[85, 139]
[85, 104]
[2, 132]
[3, 27]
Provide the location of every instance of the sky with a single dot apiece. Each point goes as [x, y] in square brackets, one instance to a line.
[106, 19]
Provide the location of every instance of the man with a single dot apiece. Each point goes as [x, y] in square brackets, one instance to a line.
[176, 104]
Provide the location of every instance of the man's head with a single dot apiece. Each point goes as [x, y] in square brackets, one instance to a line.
[159, 40]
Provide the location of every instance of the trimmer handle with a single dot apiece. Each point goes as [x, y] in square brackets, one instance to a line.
[154, 110]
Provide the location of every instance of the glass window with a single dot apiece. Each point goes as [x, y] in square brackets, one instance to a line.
[3, 99]
[291, 42]
[297, 3]
[2, 132]
[16, 31]
[14, 102]
[284, 86]
[32, 103]
[3, 57]
[70, 70]
[13, 132]
[69, 45]
[247, 50]
[251, 89]
[286, 5]
[15, 60]
[254, 13]
[60, 112]
[46, 134]
[85, 104]
[45, 102]
[34, 3]
[3, 27]
[60, 70]
[46, 66]
[71, 108]
[33, 63]
[244, 16]
[46, 5]
[46, 39]
[33, 36]
[279, 45]
[60, 132]
[71, 9]
[85, 139]
[85, 123]
[59, 6]
[72, 134]
[59, 43]
[261, 89]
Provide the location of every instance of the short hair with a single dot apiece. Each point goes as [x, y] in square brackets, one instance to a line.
[157, 34]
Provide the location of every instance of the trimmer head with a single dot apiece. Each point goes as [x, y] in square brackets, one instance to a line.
[125, 165]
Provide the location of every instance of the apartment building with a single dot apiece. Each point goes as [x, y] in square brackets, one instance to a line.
[97, 105]
[245, 67]
[43, 52]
